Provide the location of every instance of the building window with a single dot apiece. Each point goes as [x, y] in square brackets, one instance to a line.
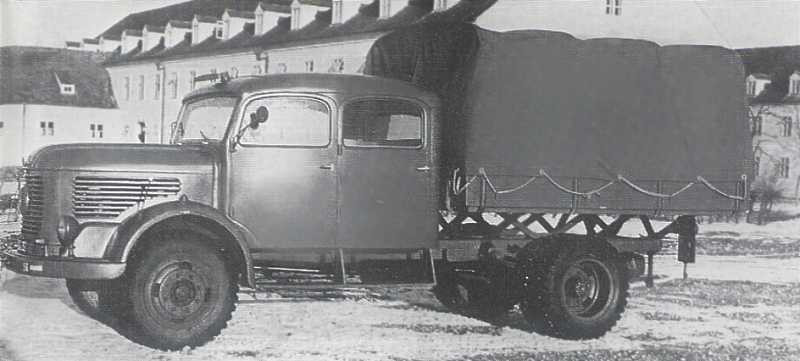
[757, 165]
[218, 30]
[97, 130]
[173, 83]
[337, 66]
[234, 72]
[192, 83]
[141, 87]
[384, 8]
[614, 7]
[47, 128]
[295, 18]
[783, 168]
[309, 66]
[757, 123]
[2, 125]
[157, 86]
[794, 88]
[68, 89]
[751, 88]
[127, 88]
[257, 70]
[281, 68]
[787, 126]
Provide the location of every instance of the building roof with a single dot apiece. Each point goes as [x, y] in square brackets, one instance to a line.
[241, 14]
[180, 24]
[91, 41]
[365, 23]
[776, 64]
[28, 75]
[154, 29]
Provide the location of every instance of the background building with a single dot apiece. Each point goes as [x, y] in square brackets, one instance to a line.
[773, 90]
[50, 96]
[161, 51]
[729, 23]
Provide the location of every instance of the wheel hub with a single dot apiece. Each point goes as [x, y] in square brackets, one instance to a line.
[180, 292]
[586, 288]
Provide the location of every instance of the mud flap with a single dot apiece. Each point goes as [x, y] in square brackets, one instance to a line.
[687, 235]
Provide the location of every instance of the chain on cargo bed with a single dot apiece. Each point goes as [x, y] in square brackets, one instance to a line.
[458, 188]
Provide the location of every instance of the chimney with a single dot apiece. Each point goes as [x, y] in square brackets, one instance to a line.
[389, 8]
[202, 28]
[304, 12]
[344, 10]
[233, 22]
[175, 32]
[151, 37]
[267, 15]
[130, 39]
[109, 44]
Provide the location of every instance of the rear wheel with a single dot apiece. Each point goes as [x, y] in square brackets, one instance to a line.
[182, 292]
[582, 294]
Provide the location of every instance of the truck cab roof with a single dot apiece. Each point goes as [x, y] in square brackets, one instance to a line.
[315, 83]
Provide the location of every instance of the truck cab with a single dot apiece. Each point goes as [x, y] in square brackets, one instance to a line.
[281, 170]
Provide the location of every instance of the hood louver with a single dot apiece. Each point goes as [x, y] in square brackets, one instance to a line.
[108, 197]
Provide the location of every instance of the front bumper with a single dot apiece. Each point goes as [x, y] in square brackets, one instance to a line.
[58, 267]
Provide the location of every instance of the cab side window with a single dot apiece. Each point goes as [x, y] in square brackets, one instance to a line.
[382, 123]
[292, 121]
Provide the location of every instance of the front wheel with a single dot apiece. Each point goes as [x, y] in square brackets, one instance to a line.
[183, 293]
[582, 294]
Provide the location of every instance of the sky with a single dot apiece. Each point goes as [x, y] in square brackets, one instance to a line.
[52, 22]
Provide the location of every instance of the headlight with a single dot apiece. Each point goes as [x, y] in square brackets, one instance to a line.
[67, 230]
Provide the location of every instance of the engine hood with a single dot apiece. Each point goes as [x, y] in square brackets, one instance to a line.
[194, 158]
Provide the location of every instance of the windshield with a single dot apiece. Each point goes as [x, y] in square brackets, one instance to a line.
[204, 120]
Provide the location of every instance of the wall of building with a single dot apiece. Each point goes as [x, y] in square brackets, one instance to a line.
[729, 23]
[138, 100]
[22, 132]
[325, 57]
[184, 70]
[775, 144]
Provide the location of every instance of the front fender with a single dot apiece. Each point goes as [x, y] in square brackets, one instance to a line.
[130, 231]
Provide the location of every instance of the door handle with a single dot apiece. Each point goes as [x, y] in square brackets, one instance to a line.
[423, 168]
[326, 166]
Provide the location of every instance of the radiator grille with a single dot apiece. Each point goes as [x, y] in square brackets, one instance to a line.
[108, 197]
[32, 212]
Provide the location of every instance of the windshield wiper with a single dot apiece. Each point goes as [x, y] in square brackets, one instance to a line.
[205, 138]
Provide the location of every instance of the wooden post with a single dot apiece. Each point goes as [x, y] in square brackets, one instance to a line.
[648, 281]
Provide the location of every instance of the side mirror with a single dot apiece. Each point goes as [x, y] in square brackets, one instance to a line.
[256, 118]
[259, 116]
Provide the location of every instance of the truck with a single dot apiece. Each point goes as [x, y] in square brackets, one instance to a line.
[499, 169]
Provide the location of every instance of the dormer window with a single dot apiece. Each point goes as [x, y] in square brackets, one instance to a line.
[794, 84]
[218, 30]
[295, 17]
[65, 84]
[751, 88]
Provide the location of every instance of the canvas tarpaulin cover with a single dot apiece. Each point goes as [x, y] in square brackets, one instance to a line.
[565, 117]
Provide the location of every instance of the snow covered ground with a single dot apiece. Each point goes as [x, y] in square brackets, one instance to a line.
[733, 307]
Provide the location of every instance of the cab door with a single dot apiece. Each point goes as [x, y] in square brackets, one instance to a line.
[283, 180]
[386, 178]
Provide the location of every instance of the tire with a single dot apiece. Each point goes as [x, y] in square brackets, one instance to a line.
[182, 292]
[582, 294]
[98, 299]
